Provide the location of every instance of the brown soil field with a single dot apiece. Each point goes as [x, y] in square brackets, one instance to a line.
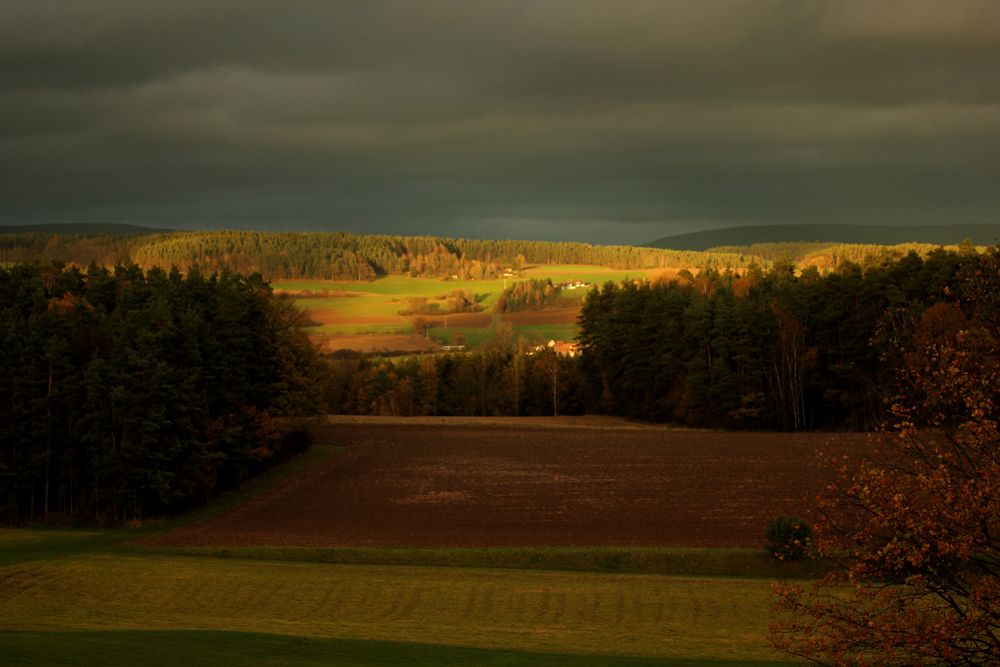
[319, 294]
[548, 316]
[546, 483]
[334, 316]
[374, 343]
[481, 320]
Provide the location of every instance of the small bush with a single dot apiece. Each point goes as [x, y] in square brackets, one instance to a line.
[789, 538]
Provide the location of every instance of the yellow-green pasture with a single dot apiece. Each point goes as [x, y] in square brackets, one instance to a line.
[363, 307]
[512, 610]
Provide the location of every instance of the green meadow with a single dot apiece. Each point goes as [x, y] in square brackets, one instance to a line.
[74, 604]
[374, 307]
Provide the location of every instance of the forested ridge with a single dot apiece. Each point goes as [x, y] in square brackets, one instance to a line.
[126, 393]
[335, 255]
[744, 235]
[828, 256]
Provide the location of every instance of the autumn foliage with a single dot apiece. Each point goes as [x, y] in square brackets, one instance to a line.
[914, 529]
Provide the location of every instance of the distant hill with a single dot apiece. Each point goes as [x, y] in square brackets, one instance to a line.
[86, 228]
[855, 234]
[327, 255]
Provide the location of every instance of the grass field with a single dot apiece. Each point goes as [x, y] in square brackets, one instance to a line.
[99, 597]
[519, 610]
[374, 307]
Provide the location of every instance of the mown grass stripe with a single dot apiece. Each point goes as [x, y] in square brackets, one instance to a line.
[495, 609]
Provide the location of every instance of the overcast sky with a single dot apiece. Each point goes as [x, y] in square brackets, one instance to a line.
[600, 121]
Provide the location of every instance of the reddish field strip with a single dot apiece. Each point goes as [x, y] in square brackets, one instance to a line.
[481, 319]
[464, 485]
[374, 343]
[334, 316]
[547, 316]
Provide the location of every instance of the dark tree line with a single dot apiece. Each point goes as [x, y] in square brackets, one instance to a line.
[495, 382]
[826, 256]
[774, 349]
[533, 294]
[126, 393]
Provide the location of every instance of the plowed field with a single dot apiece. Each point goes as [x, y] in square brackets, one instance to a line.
[375, 343]
[547, 316]
[503, 484]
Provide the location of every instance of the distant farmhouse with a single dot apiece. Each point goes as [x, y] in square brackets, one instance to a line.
[573, 284]
[563, 348]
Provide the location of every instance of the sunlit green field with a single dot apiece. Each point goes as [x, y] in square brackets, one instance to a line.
[393, 285]
[548, 611]
[471, 608]
[363, 307]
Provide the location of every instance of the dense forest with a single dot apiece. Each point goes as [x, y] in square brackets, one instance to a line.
[340, 256]
[774, 349]
[501, 380]
[127, 393]
[533, 294]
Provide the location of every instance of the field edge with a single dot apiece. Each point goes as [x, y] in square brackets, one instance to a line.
[734, 562]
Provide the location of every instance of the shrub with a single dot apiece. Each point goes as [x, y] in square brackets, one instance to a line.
[789, 537]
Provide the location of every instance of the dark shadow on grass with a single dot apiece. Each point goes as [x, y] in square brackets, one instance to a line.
[211, 648]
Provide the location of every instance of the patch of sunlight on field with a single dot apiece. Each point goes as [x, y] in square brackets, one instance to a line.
[474, 337]
[404, 287]
[367, 305]
[375, 306]
[331, 329]
[394, 285]
[519, 610]
[591, 274]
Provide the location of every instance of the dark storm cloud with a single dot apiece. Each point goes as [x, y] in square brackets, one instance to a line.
[572, 119]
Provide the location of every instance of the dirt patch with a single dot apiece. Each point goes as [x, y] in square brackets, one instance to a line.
[433, 485]
[374, 343]
[334, 316]
[548, 316]
[570, 421]
[319, 293]
[479, 320]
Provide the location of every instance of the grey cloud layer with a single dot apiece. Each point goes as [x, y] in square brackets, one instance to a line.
[594, 119]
